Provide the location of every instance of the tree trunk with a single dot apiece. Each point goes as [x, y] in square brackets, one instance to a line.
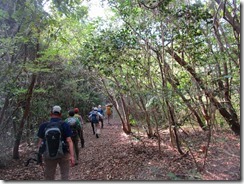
[227, 16]
[126, 113]
[5, 106]
[125, 129]
[230, 117]
[155, 114]
[199, 120]
[24, 118]
[124, 125]
[174, 124]
[150, 132]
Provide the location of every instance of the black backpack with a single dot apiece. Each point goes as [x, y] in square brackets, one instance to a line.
[53, 140]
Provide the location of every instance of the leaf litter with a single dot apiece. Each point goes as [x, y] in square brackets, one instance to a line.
[117, 156]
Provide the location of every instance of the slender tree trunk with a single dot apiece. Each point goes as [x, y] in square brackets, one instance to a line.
[5, 106]
[157, 130]
[124, 125]
[126, 113]
[24, 118]
[124, 106]
[150, 132]
[125, 129]
[172, 117]
[28, 99]
[195, 113]
[234, 22]
[230, 117]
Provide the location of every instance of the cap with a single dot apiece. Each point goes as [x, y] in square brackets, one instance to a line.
[99, 106]
[56, 109]
[95, 109]
[76, 110]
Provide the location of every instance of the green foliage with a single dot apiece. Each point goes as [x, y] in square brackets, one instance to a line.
[153, 102]
[133, 122]
[70, 8]
[191, 175]
[172, 176]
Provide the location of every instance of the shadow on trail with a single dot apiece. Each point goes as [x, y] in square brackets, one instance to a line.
[117, 156]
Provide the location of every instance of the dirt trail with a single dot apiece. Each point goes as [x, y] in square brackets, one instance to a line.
[102, 157]
[116, 156]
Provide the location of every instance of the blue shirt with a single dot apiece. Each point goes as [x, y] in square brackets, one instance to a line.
[66, 129]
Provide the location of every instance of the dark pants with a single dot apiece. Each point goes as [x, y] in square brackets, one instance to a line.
[75, 140]
[93, 129]
[82, 141]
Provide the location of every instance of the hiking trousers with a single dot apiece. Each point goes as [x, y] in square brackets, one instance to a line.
[109, 117]
[51, 165]
[82, 141]
[75, 140]
[93, 128]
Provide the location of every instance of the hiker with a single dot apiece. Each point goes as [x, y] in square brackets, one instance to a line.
[77, 115]
[94, 117]
[56, 146]
[108, 112]
[100, 110]
[75, 126]
[92, 125]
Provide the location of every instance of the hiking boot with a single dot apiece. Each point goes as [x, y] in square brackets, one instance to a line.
[97, 136]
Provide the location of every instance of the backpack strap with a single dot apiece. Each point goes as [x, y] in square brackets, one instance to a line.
[60, 125]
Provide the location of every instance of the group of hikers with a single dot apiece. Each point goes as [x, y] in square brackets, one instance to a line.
[59, 139]
[96, 117]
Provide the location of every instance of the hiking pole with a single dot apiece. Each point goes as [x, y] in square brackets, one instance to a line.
[38, 161]
[29, 161]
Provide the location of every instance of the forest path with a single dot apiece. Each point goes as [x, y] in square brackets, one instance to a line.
[107, 157]
[117, 156]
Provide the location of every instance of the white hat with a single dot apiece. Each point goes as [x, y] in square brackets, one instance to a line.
[95, 109]
[99, 106]
[56, 109]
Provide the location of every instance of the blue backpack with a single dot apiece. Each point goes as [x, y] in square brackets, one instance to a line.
[94, 117]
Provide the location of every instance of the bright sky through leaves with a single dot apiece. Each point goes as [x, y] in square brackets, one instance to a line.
[96, 8]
